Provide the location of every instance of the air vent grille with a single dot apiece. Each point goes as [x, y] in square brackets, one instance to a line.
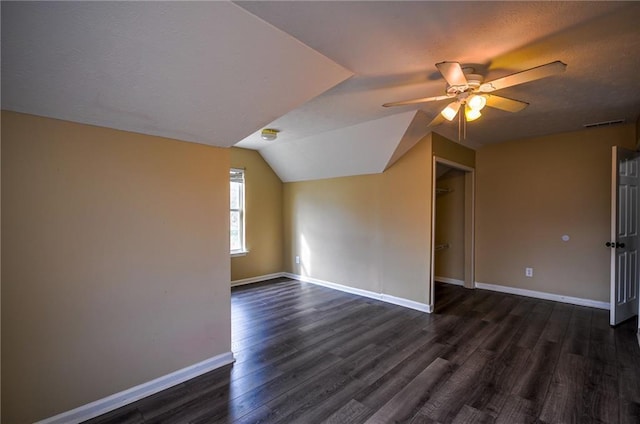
[604, 123]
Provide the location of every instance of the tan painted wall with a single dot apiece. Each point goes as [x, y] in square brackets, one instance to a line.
[334, 226]
[263, 226]
[449, 226]
[370, 232]
[405, 225]
[116, 261]
[456, 152]
[530, 193]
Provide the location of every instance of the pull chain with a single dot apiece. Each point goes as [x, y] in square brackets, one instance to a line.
[462, 124]
[465, 125]
[459, 124]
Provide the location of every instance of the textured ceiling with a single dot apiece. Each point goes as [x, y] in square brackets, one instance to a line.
[218, 72]
[364, 148]
[207, 72]
[393, 46]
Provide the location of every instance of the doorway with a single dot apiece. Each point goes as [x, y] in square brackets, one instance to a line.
[625, 235]
[452, 235]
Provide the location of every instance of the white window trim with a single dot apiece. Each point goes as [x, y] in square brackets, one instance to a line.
[243, 250]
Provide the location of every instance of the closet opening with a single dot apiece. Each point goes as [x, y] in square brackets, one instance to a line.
[452, 235]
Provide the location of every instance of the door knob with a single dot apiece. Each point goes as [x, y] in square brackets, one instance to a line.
[614, 245]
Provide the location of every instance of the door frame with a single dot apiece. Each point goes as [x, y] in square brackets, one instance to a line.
[616, 151]
[469, 223]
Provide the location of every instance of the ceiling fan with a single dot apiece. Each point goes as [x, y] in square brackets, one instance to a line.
[469, 90]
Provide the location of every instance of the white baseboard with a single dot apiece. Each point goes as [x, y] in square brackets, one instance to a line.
[544, 295]
[115, 401]
[257, 279]
[449, 280]
[400, 301]
[422, 307]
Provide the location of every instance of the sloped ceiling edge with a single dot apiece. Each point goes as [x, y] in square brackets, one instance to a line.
[205, 72]
[356, 150]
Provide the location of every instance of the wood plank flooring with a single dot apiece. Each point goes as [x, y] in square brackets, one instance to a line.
[309, 354]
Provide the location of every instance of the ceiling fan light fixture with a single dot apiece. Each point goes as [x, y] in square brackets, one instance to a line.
[471, 114]
[476, 102]
[269, 134]
[450, 111]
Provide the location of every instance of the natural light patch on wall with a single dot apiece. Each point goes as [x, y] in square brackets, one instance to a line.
[305, 257]
[367, 232]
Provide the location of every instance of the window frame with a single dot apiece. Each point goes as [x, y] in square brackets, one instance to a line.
[237, 175]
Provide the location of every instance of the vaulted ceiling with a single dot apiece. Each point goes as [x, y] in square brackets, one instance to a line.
[219, 72]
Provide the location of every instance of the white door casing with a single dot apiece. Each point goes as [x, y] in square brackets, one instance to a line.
[624, 243]
[469, 224]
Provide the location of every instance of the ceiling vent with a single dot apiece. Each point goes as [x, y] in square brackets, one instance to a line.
[604, 123]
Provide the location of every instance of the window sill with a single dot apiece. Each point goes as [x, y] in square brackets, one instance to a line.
[239, 253]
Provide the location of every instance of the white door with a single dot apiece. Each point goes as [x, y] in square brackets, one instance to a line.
[624, 234]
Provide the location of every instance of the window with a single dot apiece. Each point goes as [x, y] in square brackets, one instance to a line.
[236, 228]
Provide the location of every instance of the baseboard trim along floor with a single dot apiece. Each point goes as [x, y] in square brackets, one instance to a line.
[310, 354]
[448, 280]
[115, 401]
[423, 307]
[258, 279]
[544, 295]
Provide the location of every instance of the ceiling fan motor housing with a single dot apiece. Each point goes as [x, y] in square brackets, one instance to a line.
[473, 83]
[466, 88]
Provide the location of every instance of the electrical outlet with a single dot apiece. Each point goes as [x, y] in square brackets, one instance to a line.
[297, 259]
[528, 272]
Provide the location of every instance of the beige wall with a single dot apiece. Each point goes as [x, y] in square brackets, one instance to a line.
[405, 225]
[333, 226]
[370, 232]
[263, 198]
[116, 261]
[446, 149]
[449, 226]
[533, 191]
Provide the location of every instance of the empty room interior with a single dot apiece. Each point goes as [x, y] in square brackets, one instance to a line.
[320, 212]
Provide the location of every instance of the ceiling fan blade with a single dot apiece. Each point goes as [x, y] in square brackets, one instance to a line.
[439, 119]
[532, 74]
[415, 101]
[452, 72]
[504, 103]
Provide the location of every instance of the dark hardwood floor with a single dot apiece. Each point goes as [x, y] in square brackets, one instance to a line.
[309, 354]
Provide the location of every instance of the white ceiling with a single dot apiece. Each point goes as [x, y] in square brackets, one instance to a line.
[209, 73]
[364, 148]
[392, 47]
[217, 72]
